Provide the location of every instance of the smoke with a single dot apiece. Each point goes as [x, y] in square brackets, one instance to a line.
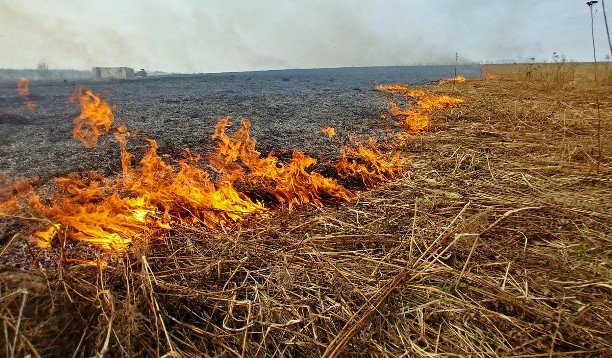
[213, 36]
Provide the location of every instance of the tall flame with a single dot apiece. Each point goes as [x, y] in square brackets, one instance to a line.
[237, 161]
[23, 90]
[95, 119]
[22, 87]
[111, 213]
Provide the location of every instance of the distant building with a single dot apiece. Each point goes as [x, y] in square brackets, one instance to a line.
[113, 72]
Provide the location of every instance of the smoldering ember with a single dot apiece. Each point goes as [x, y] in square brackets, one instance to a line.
[342, 190]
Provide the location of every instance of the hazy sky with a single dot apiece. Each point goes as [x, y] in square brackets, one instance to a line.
[214, 36]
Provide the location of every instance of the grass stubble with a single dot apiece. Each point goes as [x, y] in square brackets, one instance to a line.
[495, 243]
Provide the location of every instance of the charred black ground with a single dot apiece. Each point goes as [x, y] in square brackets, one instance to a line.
[287, 109]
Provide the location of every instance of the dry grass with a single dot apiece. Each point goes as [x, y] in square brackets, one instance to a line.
[555, 76]
[496, 244]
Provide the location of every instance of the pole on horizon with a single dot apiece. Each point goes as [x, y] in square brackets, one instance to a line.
[456, 58]
[590, 4]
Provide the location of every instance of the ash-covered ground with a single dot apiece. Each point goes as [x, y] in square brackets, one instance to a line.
[287, 108]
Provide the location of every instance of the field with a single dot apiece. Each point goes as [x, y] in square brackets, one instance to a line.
[495, 241]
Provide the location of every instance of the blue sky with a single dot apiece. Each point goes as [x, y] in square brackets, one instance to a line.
[214, 36]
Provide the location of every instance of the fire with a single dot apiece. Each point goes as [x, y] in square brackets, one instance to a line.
[23, 90]
[290, 184]
[153, 196]
[112, 213]
[156, 195]
[44, 237]
[368, 163]
[412, 119]
[456, 79]
[22, 87]
[329, 131]
[95, 119]
[393, 88]
[490, 76]
[416, 118]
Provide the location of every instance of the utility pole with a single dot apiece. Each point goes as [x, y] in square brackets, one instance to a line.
[590, 4]
[456, 58]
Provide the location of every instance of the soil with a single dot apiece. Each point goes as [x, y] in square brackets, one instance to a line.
[287, 108]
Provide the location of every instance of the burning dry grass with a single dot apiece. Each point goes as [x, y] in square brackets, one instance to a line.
[368, 163]
[456, 79]
[417, 117]
[24, 91]
[112, 213]
[497, 245]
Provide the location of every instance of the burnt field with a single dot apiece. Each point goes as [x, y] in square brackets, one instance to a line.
[482, 228]
[287, 108]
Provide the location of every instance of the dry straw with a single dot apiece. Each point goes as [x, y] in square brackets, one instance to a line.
[495, 244]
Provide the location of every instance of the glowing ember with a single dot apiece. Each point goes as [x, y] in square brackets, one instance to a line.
[367, 162]
[95, 119]
[329, 131]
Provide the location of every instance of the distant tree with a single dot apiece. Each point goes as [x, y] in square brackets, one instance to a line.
[43, 69]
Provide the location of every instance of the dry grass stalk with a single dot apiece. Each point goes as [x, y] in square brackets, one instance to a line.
[505, 254]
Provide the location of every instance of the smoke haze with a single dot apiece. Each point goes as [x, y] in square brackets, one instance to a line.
[215, 36]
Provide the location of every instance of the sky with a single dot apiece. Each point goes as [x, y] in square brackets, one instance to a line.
[240, 35]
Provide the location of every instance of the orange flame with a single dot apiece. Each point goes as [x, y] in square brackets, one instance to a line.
[329, 131]
[393, 88]
[417, 118]
[22, 87]
[23, 90]
[490, 76]
[95, 119]
[413, 119]
[111, 213]
[155, 195]
[456, 79]
[237, 161]
[368, 163]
